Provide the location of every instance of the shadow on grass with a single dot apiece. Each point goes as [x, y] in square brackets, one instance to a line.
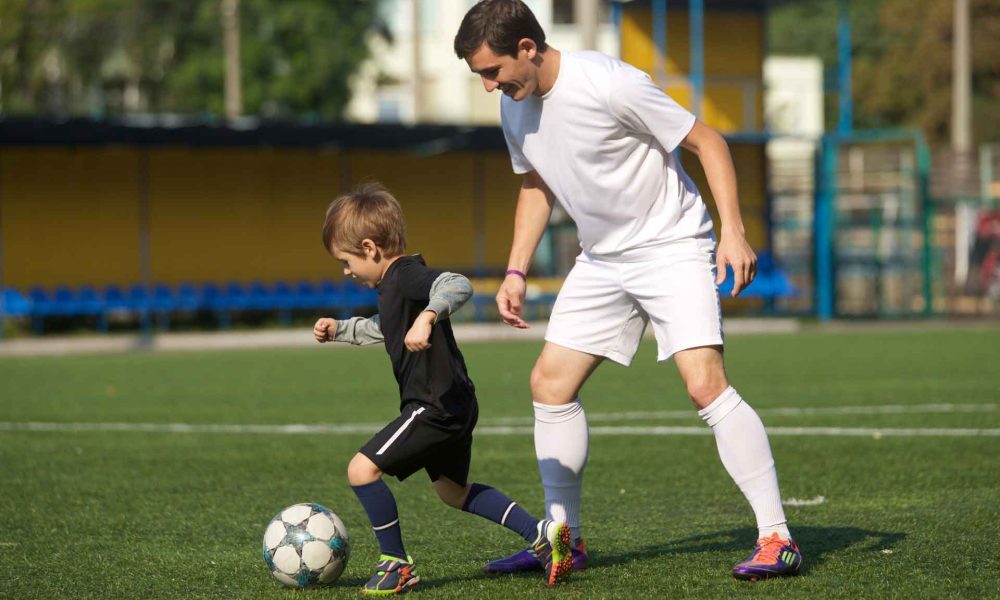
[815, 542]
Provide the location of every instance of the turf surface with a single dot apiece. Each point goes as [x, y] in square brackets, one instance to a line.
[120, 514]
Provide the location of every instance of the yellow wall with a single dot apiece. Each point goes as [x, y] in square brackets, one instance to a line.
[733, 56]
[733, 51]
[240, 214]
[749, 160]
[71, 216]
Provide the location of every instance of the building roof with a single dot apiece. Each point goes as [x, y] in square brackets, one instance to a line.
[172, 131]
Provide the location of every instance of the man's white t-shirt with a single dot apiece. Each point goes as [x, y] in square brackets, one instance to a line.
[601, 139]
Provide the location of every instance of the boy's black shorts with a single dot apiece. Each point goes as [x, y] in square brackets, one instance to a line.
[423, 437]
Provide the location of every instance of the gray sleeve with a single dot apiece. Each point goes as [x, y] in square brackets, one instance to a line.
[359, 331]
[448, 293]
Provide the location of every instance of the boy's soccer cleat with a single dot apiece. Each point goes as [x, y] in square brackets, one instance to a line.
[392, 576]
[525, 560]
[773, 557]
[553, 551]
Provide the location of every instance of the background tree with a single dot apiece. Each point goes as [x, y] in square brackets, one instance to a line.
[902, 59]
[100, 57]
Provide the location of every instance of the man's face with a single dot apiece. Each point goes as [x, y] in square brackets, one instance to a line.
[517, 77]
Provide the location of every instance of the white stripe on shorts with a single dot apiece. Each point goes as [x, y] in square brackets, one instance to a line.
[399, 431]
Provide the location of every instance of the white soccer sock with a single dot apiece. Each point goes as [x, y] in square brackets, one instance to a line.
[561, 445]
[746, 455]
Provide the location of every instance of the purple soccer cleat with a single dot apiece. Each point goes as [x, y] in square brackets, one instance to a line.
[773, 557]
[526, 560]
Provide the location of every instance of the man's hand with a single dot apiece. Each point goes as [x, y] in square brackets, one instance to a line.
[418, 337]
[735, 251]
[324, 329]
[510, 299]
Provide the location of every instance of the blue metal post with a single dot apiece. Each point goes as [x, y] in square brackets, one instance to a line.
[616, 22]
[660, 40]
[697, 36]
[845, 123]
[823, 227]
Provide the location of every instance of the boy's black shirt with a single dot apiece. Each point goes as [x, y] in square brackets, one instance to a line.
[436, 376]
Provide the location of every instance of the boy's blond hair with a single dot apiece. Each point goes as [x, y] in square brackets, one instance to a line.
[368, 212]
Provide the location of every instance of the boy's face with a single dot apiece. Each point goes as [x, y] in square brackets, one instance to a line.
[366, 267]
[516, 77]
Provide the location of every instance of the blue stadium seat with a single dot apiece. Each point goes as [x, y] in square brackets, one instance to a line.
[163, 299]
[236, 296]
[307, 295]
[771, 281]
[139, 298]
[357, 296]
[41, 303]
[284, 300]
[187, 297]
[215, 300]
[65, 302]
[114, 299]
[13, 303]
[259, 297]
[90, 302]
[331, 295]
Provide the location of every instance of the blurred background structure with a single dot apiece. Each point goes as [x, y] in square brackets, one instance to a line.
[171, 163]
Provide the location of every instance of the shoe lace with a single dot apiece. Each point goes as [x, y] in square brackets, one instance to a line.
[768, 549]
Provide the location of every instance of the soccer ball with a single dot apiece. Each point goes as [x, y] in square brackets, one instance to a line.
[306, 545]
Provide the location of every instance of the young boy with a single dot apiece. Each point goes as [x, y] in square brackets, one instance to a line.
[438, 409]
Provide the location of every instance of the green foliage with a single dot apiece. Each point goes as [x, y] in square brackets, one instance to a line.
[90, 514]
[902, 59]
[99, 57]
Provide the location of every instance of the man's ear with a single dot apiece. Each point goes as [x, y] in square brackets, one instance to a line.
[529, 46]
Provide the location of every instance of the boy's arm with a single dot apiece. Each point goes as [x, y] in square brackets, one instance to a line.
[445, 294]
[359, 331]
[448, 293]
[713, 152]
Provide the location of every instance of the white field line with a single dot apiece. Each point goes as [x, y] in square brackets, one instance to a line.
[522, 426]
[892, 409]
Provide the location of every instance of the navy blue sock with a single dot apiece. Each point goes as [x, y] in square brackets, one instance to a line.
[494, 505]
[381, 508]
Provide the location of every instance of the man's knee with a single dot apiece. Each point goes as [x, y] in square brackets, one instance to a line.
[703, 372]
[704, 386]
[546, 386]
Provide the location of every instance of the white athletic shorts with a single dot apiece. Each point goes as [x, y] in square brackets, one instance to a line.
[603, 306]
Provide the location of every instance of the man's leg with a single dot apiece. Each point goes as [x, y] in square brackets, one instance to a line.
[746, 455]
[561, 445]
[562, 441]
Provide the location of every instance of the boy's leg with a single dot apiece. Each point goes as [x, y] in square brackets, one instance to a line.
[746, 455]
[489, 503]
[379, 504]
[550, 540]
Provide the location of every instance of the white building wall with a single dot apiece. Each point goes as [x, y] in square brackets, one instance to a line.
[383, 89]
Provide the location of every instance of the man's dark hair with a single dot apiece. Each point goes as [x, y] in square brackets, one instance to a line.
[499, 23]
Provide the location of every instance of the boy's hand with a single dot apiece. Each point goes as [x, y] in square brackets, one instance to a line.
[418, 337]
[324, 329]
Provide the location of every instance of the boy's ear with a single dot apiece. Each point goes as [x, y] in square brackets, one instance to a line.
[369, 248]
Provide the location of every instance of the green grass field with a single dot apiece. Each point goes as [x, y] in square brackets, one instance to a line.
[147, 514]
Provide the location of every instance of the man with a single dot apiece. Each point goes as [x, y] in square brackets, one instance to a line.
[596, 135]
